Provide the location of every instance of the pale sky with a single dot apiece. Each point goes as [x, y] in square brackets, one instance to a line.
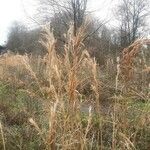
[13, 10]
[20, 10]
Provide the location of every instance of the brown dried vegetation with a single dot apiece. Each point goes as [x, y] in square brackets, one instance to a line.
[57, 102]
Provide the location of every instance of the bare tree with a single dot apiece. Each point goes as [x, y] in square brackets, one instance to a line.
[79, 8]
[16, 37]
[70, 10]
[132, 16]
[21, 39]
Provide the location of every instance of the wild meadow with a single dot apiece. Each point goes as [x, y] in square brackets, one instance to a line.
[70, 102]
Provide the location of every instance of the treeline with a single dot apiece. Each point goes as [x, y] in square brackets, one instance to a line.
[101, 41]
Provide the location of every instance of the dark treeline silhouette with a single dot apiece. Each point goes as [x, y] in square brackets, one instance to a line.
[3, 49]
[101, 41]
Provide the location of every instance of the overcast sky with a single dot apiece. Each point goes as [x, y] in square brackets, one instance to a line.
[10, 11]
[20, 10]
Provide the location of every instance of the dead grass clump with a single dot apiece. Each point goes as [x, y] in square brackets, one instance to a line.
[129, 54]
[134, 66]
[55, 100]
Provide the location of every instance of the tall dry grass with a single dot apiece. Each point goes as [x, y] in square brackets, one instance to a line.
[134, 68]
[70, 88]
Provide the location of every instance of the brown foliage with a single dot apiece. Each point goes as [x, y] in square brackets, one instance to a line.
[127, 62]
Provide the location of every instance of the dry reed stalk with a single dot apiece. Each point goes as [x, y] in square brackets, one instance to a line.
[127, 143]
[53, 64]
[52, 126]
[96, 85]
[114, 126]
[88, 124]
[73, 59]
[118, 73]
[2, 134]
[48, 41]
